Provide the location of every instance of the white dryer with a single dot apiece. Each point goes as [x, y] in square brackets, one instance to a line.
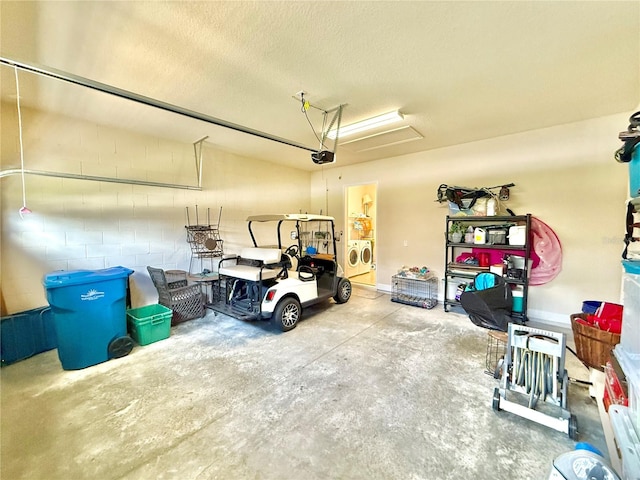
[353, 258]
[366, 256]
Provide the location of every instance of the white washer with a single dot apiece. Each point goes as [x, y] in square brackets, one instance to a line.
[353, 258]
[366, 256]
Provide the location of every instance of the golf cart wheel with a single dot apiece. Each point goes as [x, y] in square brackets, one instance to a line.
[573, 427]
[287, 314]
[120, 347]
[344, 291]
[496, 399]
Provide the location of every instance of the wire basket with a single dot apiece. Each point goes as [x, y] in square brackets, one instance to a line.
[419, 292]
[496, 350]
[204, 241]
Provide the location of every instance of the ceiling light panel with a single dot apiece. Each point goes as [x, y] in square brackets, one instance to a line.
[365, 125]
[382, 139]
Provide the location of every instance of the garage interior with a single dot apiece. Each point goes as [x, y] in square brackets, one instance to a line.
[491, 93]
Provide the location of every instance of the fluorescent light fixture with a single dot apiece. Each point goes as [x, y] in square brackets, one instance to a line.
[367, 124]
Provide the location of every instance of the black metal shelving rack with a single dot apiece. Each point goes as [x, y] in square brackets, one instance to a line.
[476, 221]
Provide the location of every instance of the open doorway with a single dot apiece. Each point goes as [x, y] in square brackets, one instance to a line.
[361, 205]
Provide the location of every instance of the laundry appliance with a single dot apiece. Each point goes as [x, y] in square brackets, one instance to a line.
[352, 265]
[366, 256]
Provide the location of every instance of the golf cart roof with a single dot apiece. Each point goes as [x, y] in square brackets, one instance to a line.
[296, 217]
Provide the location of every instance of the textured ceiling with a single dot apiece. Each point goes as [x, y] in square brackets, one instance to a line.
[459, 71]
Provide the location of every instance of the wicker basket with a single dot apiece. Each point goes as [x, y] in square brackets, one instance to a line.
[593, 346]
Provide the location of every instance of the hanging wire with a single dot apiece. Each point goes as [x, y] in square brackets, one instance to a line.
[24, 208]
[324, 123]
[304, 108]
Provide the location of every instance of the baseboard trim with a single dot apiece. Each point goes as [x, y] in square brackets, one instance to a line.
[550, 318]
[544, 317]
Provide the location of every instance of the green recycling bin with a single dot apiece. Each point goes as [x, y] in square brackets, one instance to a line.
[89, 314]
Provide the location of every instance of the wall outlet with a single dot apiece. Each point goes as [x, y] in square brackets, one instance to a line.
[406, 243]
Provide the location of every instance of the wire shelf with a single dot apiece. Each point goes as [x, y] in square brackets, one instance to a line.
[204, 240]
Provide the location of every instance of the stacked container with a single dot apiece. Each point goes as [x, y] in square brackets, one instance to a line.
[628, 351]
[625, 421]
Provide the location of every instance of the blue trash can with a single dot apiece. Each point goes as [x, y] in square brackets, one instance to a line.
[90, 315]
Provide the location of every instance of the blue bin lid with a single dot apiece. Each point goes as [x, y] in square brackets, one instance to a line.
[631, 266]
[65, 278]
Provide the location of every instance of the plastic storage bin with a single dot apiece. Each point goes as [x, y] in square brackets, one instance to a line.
[497, 236]
[89, 311]
[517, 235]
[628, 351]
[634, 173]
[149, 324]
[627, 442]
[25, 334]
[518, 299]
[590, 306]
[630, 335]
[614, 392]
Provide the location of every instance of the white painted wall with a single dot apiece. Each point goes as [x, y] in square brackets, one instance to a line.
[564, 175]
[93, 225]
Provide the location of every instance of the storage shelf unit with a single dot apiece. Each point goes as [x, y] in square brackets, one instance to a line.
[463, 272]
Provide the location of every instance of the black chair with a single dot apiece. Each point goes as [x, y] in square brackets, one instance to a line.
[186, 301]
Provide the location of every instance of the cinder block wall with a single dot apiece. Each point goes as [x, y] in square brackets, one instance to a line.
[79, 224]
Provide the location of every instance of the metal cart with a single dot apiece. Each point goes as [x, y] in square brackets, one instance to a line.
[534, 381]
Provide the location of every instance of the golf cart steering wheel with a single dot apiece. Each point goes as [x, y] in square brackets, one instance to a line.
[292, 250]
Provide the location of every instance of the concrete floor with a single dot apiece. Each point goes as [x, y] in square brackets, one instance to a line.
[366, 390]
[364, 279]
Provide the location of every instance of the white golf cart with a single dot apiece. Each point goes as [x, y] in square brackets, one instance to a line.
[276, 282]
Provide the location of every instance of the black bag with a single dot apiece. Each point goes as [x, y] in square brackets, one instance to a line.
[490, 307]
[631, 138]
[465, 197]
[458, 194]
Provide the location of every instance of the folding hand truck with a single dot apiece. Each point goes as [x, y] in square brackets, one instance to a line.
[533, 371]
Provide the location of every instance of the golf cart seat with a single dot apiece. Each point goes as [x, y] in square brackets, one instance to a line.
[254, 264]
